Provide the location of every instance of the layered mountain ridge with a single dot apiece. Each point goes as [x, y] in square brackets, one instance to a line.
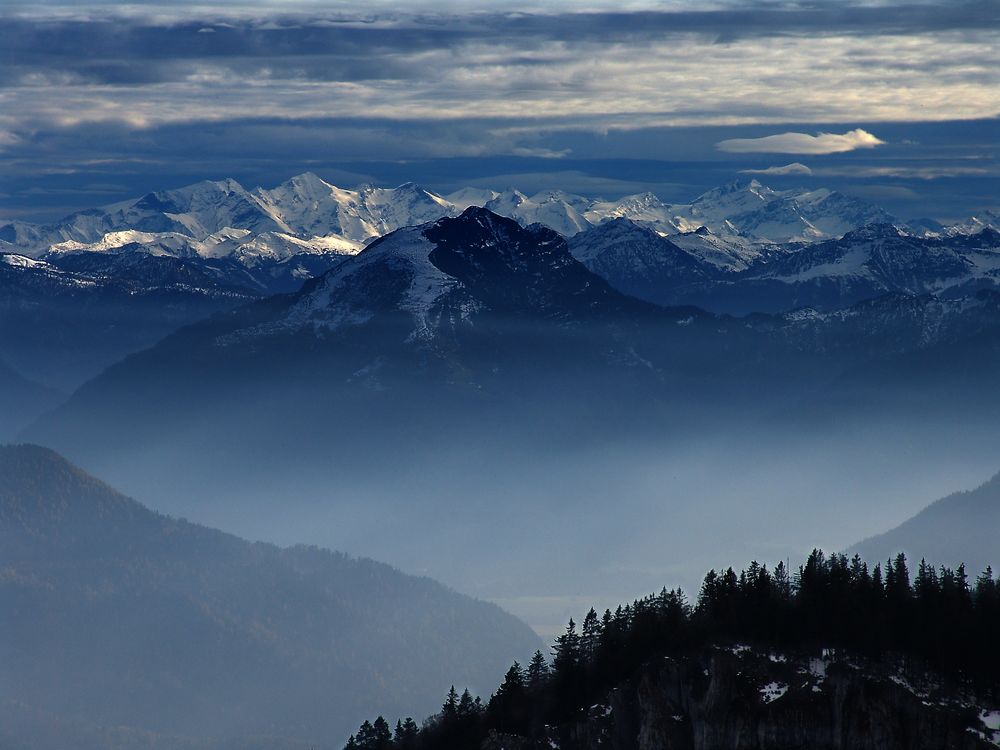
[128, 628]
[743, 236]
[432, 332]
[866, 263]
[471, 352]
[65, 319]
[961, 526]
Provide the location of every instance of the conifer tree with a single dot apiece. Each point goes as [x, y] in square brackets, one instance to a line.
[381, 735]
[834, 602]
[986, 587]
[926, 582]
[620, 619]
[782, 582]
[901, 578]
[606, 621]
[514, 682]
[567, 670]
[538, 671]
[878, 585]
[566, 652]
[449, 711]
[467, 707]
[591, 635]
[366, 736]
[407, 735]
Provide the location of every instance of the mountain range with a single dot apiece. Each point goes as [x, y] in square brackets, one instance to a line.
[458, 300]
[64, 320]
[130, 629]
[222, 218]
[863, 264]
[106, 282]
[463, 368]
[453, 372]
[307, 215]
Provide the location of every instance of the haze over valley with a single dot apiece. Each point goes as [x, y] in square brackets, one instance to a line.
[738, 404]
[436, 376]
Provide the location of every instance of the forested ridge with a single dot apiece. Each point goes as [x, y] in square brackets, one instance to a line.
[934, 619]
[116, 619]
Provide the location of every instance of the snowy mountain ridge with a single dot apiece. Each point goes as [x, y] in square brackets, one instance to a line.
[309, 214]
[864, 263]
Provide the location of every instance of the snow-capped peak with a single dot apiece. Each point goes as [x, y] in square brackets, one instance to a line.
[471, 196]
[22, 261]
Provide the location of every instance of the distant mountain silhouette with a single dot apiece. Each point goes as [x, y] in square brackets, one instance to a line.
[960, 528]
[60, 326]
[21, 401]
[122, 627]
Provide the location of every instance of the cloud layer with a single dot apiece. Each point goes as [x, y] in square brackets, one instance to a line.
[594, 70]
[795, 168]
[104, 93]
[802, 143]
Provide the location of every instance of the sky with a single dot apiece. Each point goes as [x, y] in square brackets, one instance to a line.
[894, 102]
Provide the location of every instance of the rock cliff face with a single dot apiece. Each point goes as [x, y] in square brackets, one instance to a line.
[737, 699]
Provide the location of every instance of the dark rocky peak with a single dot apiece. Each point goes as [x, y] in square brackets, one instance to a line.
[875, 231]
[162, 202]
[622, 235]
[518, 269]
[989, 237]
[738, 698]
[481, 239]
[621, 225]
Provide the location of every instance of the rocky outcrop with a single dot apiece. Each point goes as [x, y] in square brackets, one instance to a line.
[737, 699]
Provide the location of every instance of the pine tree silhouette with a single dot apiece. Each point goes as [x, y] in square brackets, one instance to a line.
[939, 621]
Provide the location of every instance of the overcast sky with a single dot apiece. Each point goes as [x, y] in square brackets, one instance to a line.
[893, 102]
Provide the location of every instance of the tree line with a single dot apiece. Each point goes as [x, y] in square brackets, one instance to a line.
[935, 617]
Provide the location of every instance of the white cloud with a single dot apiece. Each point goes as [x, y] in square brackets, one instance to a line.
[540, 153]
[802, 143]
[793, 168]
[8, 139]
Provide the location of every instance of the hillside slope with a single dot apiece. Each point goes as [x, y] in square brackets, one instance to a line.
[116, 617]
[963, 527]
[21, 400]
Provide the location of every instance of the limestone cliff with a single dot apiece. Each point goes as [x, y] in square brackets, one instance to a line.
[738, 699]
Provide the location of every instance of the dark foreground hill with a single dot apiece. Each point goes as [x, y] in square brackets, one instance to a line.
[963, 526]
[123, 628]
[835, 657]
